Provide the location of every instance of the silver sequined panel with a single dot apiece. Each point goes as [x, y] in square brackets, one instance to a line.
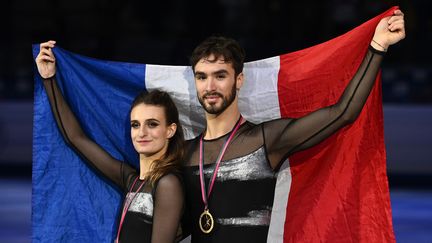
[253, 166]
[254, 218]
[142, 203]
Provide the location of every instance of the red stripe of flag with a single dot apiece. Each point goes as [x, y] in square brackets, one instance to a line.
[339, 190]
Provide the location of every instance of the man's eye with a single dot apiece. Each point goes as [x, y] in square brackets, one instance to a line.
[220, 76]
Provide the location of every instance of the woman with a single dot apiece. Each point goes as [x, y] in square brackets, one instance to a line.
[154, 195]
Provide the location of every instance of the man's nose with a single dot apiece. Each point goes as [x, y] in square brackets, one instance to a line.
[211, 84]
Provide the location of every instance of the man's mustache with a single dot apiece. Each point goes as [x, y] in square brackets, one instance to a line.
[212, 94]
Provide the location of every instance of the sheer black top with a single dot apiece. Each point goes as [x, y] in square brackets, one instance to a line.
[242, 197]
[155, 212]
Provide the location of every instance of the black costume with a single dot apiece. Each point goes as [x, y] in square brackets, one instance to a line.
[242, 198]
[155, 212]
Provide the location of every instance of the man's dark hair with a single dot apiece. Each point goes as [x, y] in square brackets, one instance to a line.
[220, 46]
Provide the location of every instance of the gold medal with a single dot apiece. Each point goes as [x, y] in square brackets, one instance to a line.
[206, 221]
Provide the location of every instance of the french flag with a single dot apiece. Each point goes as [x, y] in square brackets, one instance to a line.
[336, 191]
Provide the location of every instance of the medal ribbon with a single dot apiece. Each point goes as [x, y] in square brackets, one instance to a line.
[205, 195]
[126, 206]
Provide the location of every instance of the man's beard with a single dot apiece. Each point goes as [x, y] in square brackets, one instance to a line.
[226, 101]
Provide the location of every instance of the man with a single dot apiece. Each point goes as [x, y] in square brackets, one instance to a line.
[230, 169]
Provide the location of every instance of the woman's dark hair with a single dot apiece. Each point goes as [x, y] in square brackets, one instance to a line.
[170, 162]
[220, 46]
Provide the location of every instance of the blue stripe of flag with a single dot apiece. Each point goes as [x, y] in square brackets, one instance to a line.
[70, 202]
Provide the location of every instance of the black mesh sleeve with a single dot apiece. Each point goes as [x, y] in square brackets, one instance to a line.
[115, 170]
[286, 136]
[168, 209]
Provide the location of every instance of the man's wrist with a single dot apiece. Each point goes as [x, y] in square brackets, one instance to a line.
[379, 45]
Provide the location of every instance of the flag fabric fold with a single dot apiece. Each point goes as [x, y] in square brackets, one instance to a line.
[336, 191]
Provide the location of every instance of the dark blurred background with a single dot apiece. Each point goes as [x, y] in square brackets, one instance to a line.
[165, 32]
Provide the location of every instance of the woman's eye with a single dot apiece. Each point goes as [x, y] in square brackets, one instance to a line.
[153, 124]
[134, 125]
